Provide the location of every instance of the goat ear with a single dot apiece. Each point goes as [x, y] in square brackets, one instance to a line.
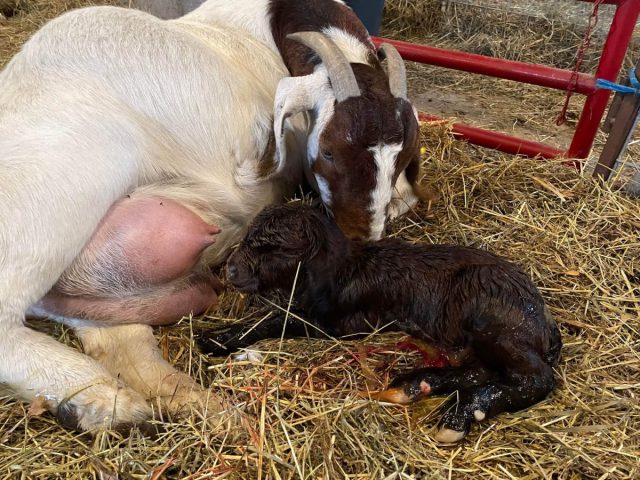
[295, 95]
[292, 96]
[327, 238]
[422, 192]
[412, 172]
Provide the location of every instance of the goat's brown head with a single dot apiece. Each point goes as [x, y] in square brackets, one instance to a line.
[280, 238]
[364, 132]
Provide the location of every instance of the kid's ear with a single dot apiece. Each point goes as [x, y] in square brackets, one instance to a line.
[315, 234]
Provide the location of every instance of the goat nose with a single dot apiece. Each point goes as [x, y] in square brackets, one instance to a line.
[232, 272]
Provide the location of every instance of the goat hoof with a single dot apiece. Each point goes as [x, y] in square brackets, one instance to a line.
[403, 395]
[479, 415]
[249, 356]
[179, 393]
[103, 405]
[447, 435]
[218, 343]
[390, 395]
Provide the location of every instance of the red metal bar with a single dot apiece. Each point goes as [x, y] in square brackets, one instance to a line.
[611, 60]
[499, 141]
[614, 50]
[541, 75]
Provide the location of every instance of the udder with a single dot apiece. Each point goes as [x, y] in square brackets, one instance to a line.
[142, 265]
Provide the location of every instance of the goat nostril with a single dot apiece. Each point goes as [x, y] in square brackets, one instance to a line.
[232, 272]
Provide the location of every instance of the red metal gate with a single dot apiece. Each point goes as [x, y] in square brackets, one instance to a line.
[613, 52]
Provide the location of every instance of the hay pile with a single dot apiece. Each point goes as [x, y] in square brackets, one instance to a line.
[548, 31]
[579, 240]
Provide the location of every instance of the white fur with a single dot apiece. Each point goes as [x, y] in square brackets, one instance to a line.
[385, 158]
[102, 102]
[323, 188]
[251, 16]
[130, 353]
[354, 49]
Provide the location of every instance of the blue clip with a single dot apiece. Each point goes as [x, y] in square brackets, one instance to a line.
[616, 87]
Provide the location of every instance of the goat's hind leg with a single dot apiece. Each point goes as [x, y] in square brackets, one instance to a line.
[79, 391]
[530, 382]
[52, 202]
[130, 276]
[424, 382]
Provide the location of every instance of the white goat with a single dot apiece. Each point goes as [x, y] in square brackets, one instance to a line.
[103, 103]
[128, 145]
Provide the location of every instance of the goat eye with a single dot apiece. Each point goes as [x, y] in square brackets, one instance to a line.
[326, 154]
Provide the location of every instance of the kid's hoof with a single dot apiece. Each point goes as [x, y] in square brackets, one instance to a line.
[447, 435]
[390, 395]
[403, 395]
[479, 415]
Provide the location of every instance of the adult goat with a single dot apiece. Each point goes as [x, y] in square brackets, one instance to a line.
[123, 136]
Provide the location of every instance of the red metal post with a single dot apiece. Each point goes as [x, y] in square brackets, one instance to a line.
[610, 2]
[541, 75]
[611, 60]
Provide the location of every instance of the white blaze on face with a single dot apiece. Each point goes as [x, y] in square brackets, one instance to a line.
[385, 158]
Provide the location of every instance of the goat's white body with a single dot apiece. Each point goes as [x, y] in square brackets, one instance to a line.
[104, 102]
[100, 103]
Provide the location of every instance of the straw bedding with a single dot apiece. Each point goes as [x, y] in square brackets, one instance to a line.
[579, 240]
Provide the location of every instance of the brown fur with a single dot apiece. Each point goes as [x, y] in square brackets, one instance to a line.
[374, 117]
[454, 297]
[290, 16]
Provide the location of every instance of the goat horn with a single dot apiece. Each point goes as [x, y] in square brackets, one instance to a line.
[340, 73]
[397, 71]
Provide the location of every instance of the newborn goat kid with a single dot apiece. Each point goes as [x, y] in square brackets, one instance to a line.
[454, 297]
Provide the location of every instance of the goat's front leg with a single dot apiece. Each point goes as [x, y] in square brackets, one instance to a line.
[131, 353]
[241, 335]
[519, 388]
[424, 382]
[77, 389]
